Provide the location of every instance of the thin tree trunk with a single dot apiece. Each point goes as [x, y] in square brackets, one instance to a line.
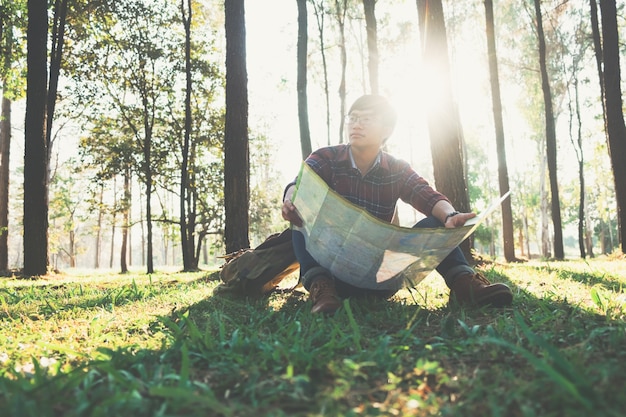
[550, 139]
[546, 250]
[5, 149]
[319, 15]
[186, 238]
[340, 14]
[615, 126]
[113, 225]
[125, 221]
[303, 111]
[98, 248]
[56, 53]
[369, 9]
[577, 142]
[503, 173]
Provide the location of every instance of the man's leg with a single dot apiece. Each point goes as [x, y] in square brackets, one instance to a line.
[466, 285]
[316, 279]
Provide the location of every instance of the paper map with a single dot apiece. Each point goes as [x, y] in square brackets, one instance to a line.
[362, 250]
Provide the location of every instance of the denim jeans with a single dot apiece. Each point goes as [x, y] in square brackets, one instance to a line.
[451, 267]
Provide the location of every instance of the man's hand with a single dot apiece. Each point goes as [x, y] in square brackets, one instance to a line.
[458, 220]
[290, 214]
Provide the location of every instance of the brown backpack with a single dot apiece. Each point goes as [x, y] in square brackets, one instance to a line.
[258, 271]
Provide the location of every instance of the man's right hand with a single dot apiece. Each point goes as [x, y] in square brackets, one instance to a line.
[290, 213]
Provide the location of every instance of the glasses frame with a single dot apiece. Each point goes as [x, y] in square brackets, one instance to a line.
[365, 120]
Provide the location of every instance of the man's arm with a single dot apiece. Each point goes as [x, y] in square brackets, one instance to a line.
[445, 212]
[288, 210]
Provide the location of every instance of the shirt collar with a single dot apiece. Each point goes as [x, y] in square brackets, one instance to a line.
[381, 160]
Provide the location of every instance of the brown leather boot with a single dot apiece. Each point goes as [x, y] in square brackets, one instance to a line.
[476, 290]
[324, 296]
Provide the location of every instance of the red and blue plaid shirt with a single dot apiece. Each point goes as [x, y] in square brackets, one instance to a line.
[378, 191]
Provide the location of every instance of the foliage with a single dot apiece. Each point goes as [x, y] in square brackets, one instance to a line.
[163, 345]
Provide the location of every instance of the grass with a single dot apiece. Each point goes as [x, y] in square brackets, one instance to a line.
[164, 345]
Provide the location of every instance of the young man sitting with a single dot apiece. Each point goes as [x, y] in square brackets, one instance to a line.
[368, 177]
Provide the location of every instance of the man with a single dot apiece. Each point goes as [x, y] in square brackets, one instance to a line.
[365, 175]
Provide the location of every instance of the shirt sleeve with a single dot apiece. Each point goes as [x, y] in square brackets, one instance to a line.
[418, 193]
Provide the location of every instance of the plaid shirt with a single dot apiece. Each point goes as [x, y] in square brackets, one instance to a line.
[380, 188]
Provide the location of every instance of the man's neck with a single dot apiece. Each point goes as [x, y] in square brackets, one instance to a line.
[364, 158]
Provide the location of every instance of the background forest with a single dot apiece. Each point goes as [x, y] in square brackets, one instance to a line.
[137, 127]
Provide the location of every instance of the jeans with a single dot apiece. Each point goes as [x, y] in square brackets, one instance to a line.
[450, 268]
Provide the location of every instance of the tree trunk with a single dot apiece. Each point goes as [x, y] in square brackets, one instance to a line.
[148, 172]
[303, 111]
[577, 142]
[113, 225]
[125, 221]
[503, 173]
[446, 136]
[58, 35]
[340, 14]
[236, 147]
[597, 47]
[186, 235]
[319, 15]
[546, 250]
[35, 151]
[550, 139]
[98, 248]
[369, 9]
[615, 126]
[5, 150]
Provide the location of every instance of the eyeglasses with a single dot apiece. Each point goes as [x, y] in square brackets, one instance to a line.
[365, 121]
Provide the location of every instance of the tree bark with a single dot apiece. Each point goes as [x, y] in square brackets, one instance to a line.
[318, 6]
[446, 136]
[236, 147]
[35, 150]
[186, 233]
[503, 173]
[369, 9]
[5, 150]
[125, 221]
[58, 36]
[551, 147]
[303, 111]
[340, 14]
[615, 127]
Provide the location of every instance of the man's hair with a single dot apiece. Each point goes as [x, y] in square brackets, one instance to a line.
[379, 105]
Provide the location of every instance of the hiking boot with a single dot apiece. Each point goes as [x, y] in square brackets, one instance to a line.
[324, 296]
[476, 290]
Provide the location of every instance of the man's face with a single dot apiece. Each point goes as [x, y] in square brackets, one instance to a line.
[366, 129]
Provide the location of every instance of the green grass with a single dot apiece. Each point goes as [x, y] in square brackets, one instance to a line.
[164, 345]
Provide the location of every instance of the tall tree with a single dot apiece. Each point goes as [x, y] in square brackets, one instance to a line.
[35, 150]
[503, 172]
[551, 147]
[341, 9]
[186, 224]
[303, 111]
[446, 136]
[320, 13]
[11, 22]
[56, 54]
[369, 9]
[236, 146]
[615, 127]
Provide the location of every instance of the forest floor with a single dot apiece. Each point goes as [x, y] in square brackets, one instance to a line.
[105, 344]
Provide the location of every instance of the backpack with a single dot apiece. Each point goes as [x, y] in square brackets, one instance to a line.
[258, 271]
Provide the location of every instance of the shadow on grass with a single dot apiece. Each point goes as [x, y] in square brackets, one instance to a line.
[227, 355]
[543, 355]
